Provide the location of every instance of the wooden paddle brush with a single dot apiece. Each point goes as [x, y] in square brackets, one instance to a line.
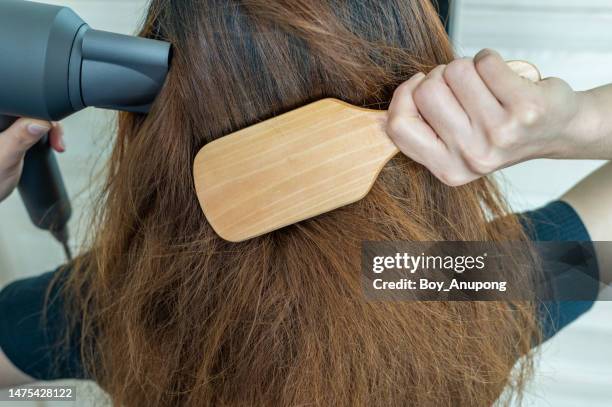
[292, 167]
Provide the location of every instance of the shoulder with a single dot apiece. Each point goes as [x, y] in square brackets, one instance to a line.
[33, 326]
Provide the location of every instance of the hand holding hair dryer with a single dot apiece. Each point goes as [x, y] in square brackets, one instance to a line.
[52, 64]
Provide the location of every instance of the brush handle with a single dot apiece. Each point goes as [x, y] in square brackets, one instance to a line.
[311, 160]
[525, 69]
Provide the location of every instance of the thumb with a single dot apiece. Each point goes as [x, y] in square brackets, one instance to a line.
[22, 135]
[17, 139]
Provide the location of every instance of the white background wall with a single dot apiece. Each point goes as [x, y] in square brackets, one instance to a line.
[571, 39]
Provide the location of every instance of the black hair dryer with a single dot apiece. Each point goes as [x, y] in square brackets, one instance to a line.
[52, 65]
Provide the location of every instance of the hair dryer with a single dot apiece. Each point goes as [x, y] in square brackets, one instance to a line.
[52, 64]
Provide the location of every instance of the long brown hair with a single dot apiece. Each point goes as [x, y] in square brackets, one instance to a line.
[170, 314]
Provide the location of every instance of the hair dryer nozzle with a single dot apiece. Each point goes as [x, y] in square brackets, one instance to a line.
[121, 72]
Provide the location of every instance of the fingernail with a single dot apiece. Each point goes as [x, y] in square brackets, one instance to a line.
[37, 130]
[62, 144]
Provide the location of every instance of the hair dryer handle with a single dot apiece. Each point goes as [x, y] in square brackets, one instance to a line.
[41, 186]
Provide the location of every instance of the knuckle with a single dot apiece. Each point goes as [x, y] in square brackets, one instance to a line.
[428, 89]
[402, 91]
[457, 70]
[451, 178]
[529, 113]
[482, 163]
[396, 125]
[486, 62]
[504, 136]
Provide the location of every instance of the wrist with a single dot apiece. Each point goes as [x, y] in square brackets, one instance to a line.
[586, 134]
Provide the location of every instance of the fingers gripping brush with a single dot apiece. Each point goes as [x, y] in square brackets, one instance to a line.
[52, 64]
[295, 166]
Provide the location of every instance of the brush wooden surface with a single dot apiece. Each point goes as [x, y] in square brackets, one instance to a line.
[303, 163]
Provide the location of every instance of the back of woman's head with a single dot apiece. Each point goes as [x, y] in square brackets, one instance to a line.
[174, 315]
